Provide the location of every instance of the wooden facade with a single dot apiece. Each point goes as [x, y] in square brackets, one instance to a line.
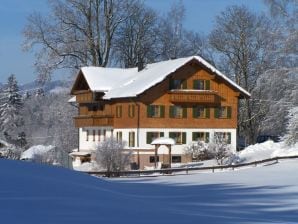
[102, 112]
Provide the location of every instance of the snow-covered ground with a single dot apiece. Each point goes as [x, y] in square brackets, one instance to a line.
[36, 150]
[34, 193]
[266, 150]
[259, 151]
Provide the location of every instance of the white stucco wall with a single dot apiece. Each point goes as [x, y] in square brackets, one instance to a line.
[141, 134]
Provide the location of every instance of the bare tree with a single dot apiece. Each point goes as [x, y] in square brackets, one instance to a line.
[136, 40]
[111, 156]
[175, 41]
[76, 33]
[291, 137]
[244, 43]
[219, 149]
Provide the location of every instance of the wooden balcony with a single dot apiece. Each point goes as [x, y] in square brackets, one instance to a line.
[93, 121]
[200, 97]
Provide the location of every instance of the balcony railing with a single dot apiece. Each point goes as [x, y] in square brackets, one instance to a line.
[94, 120]
[194, 96]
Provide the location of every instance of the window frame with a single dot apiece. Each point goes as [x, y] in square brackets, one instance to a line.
[182, 137]
[149, 138]
[205, 84]
[204, 136]
[152, 159]
[155, 111]
[131, 139]
[227, 136]
[174, 159]
[177, 114]
[220, 114]
[118, 111]
[131, 111]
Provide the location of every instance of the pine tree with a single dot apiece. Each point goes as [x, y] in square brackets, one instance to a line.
[10, 106]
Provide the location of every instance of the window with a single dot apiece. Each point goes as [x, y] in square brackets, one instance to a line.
[119, 136]
[99, 133]
[200, 136]
[178, 112]
[223, 112]
[180, 137]
[131, 111]
[153, 135]
[176, 159]
[200, 84]
[152, 159]
[178, 84]
[155, 111]
[200, 112]
[131, 139]
[87, 135]
[94, 135]
[104, 134]
[222, 137]
[119, 111]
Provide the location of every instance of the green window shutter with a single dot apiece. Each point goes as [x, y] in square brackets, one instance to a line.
[171, 111]
[149, 113]
[171, 85]
[172, 135]
[133, 110]
[194, 112]
[195, 136]
[183, 137]
[207, 112]
[162, 111]
[148, 138]
[229, 112]
[207, 85]
[184, 112]
[216, 112]
[161, 134]
[195, 84]
[207, 137]
[184, 84]
[229, 138]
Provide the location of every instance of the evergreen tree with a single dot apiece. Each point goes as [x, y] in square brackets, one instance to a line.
[10, 106]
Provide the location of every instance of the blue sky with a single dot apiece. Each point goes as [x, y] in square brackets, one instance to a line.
[200, 16]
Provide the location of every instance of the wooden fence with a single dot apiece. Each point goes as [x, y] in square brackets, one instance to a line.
[134, 173]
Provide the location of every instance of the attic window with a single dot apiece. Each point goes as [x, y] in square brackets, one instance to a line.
[178, 84]
[97, 96]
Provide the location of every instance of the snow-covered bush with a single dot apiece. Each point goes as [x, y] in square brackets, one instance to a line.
[198, 150]
[218, 150]
[110, 155]
[291, 137]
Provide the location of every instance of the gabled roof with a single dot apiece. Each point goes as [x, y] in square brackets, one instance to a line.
[120, 83]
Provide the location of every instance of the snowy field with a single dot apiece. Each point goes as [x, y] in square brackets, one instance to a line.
[33, 193]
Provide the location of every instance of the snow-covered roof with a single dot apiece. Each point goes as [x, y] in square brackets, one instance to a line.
[72, 99]
[81, 153]
[118, 83]
[163, 141]
[105, 79]
[36, 150]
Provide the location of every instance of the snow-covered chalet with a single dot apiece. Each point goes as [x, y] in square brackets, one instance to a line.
[186, 99]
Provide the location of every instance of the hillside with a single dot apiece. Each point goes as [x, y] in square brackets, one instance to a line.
[32, 193]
